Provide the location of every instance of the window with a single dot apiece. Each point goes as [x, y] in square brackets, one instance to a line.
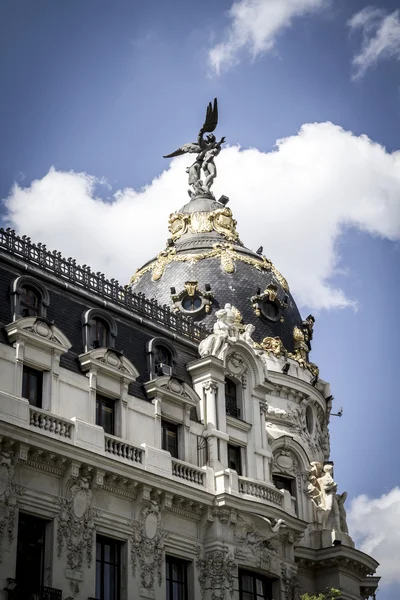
[234, 458]
[108, 571]
[100, 334]
[176, 578]
[191, 303]
[30, 555]
[99, 328]
[169, 435]
[32, 386]
[162, 356]
[270, 310]
[231, 401]
[253, 586]
[284, 483]
[29, 300]
[105, 413]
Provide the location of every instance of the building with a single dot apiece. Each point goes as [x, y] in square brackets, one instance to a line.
[166, 440]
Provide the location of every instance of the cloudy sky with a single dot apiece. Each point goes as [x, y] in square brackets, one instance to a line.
[94, 92]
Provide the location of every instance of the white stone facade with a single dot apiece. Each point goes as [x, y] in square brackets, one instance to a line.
[57, 464]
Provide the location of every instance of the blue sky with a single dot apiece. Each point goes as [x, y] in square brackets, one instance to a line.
[106, 88]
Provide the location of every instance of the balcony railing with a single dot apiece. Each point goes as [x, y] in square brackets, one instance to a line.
[231, 406]
[51, 423]
[188, 472]
[66, 269]
[121, 449]
[21, 591]
[260, 490]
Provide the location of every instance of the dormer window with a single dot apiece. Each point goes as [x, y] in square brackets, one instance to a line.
[191, 303]
[191, 300]
[161, 357]
[29, 298]
[99, 329]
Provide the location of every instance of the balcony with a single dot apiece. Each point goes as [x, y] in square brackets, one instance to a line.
[231, 407]
[21, 591]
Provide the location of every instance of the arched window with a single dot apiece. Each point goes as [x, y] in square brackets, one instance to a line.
[100, 329]
[29, 298]
[161, 357]
[231, 398]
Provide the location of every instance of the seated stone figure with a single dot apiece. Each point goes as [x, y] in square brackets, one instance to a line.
[216, 343]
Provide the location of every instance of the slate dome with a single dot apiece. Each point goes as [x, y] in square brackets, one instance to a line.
[205, 266]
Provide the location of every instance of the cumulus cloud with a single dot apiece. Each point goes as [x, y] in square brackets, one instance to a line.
[380, 38]
[254, 26]
[375, 525]
[295, 201]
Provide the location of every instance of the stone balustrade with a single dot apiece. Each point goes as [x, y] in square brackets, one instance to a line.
[188, 472]
[121, 449]
[50, 423]
[260, 490]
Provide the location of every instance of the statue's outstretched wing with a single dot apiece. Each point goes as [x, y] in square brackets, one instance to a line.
[191, 148]
[211, 120]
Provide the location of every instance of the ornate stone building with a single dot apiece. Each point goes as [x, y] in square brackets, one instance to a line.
[167, 440]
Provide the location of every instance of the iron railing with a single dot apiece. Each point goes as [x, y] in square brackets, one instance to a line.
[83, 277]
[19, 591]
[231, 406]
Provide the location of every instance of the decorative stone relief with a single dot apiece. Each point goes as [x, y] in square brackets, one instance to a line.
[147, 544]
[216, 573]
[258, 546]
[76, 529]
[290, 583]
[9, 492]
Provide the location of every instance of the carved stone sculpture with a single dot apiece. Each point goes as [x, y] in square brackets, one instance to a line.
[216, 343]
[322, 490]
[206, 149]
[341, 499]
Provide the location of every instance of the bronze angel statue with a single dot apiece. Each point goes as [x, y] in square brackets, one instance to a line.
[206, 149]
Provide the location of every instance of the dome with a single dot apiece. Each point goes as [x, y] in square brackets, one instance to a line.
[205, 266]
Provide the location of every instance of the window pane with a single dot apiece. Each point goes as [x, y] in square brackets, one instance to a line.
[162, 356]
[32, 383]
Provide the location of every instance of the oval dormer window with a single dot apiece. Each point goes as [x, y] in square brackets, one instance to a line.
[270, 310]
[192, 303]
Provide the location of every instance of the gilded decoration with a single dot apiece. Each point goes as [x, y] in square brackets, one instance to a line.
[274, 345]
[220, 220]
[224, 251]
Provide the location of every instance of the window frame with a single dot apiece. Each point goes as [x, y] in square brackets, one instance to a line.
[170, 561]
[151, 355]
[103, 540]
[89, 321]
[233, 402]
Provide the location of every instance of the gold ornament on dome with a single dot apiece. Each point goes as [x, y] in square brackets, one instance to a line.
[298, 335]
[220, 220]
[191, 287]
[274, 345]
[225, 252]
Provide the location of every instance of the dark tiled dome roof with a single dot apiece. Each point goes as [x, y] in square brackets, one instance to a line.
[206, 250]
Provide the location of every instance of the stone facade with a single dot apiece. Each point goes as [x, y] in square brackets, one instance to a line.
[278, 515]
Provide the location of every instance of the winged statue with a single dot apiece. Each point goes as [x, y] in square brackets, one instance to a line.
[206, 148]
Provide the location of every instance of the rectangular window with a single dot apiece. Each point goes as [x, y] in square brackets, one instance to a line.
[30, 554]
[234, 458]
[253, 586]
[169, 434]
[32, 386]
[108, 568]
[176, 578]
[105, 413]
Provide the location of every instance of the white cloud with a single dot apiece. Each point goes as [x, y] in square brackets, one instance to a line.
[381, 38]
[375, 525]
[294, 201]
[255, 25]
